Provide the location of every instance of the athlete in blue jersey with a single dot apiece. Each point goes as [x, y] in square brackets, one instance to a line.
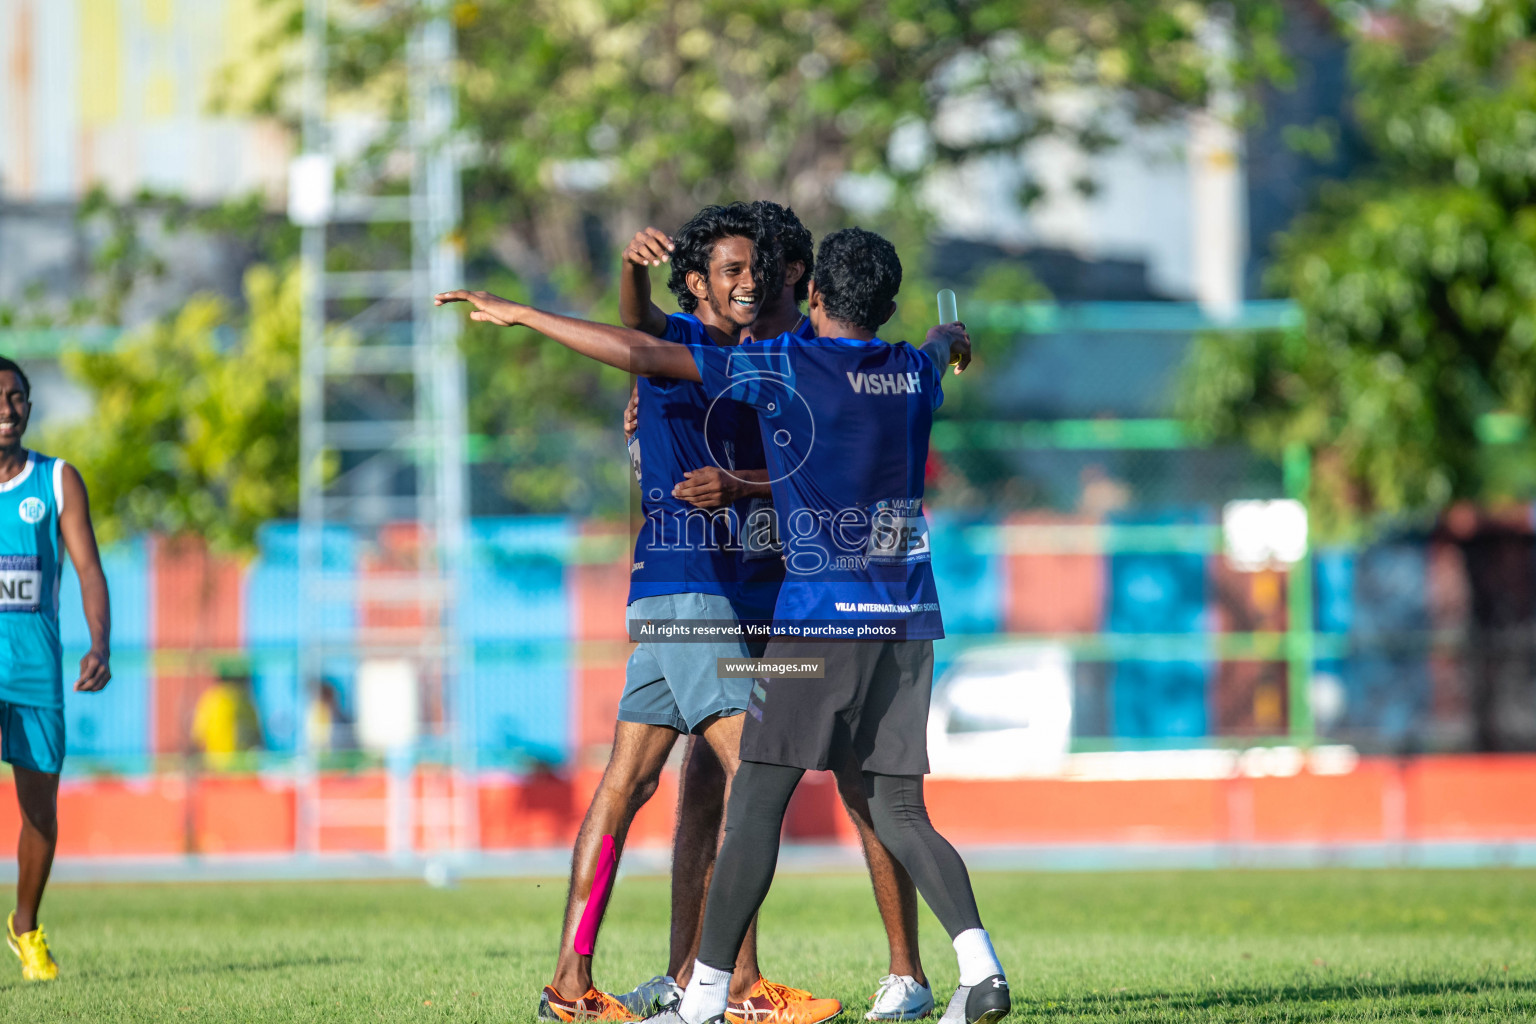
[860, 520]
[690, 565]
[43, 513]
[709, 477]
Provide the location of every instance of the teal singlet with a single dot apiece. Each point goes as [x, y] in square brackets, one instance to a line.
[31, 556]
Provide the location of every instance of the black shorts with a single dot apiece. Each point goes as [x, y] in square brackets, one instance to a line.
[871, 706]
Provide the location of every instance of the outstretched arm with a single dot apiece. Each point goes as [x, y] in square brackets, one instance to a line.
[80, 542]
[629, 350]
[649, 248]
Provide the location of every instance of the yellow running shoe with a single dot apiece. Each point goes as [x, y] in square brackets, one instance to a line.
[37, 964]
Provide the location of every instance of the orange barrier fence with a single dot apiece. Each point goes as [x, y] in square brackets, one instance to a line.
[1462, 798]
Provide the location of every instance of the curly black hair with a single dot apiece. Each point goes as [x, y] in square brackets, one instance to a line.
[791, 239]
[695, 244]
[858, 275]
[26, 385]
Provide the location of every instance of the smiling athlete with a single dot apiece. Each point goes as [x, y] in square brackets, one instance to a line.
[689, 566]
[43, 512]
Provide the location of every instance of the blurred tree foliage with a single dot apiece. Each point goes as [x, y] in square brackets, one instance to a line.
[638, 112]
[1417, 281]
[582, 120]
[193, 432]
[128, 241]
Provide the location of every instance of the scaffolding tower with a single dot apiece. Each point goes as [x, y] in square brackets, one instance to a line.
[382, 482]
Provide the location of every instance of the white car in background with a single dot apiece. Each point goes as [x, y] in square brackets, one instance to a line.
[1002, 712]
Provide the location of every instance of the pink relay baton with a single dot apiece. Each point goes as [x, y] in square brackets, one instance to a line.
[597, 902]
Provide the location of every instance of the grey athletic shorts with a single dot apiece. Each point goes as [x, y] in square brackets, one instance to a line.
[871, 706]
[676, 684]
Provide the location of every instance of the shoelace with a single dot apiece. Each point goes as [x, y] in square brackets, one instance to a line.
[789, 991]
[651, 992]
[36, 949]
[893, 981]
[611, 1008]
[900, 984]
[662, 988]
[776, 994]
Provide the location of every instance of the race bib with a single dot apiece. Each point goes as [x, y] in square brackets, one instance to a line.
[634, 456]
[21, 583]
[897, 538]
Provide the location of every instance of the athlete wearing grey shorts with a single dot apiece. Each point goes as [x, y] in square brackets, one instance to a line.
[676, 684]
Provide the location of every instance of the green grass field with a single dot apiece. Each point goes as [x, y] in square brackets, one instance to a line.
[1218, 946]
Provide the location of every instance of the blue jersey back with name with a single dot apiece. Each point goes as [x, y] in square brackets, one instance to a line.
[31, 557]
[845, 427]
[681, 548]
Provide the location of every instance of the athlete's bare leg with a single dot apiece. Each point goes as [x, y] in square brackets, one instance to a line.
[634, 769]
[700, 813]
[895, 895]
[37, 793]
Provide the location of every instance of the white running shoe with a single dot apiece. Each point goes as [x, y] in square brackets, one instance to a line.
[655, 995]
[900, 998]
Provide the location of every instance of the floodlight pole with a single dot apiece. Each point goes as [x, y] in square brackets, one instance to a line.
[438, 262]
[310, 664]
[351, 463]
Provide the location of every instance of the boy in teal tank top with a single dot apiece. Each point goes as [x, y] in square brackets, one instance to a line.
[43, 513]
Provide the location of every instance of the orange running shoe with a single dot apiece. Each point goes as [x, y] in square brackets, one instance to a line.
[789, 992]
[771, 1003]
[590, 1005]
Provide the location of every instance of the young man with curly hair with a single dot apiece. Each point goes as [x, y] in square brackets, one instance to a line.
[691, 565]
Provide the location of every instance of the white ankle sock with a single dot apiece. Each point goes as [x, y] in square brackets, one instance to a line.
[978, 962]
[706, 995]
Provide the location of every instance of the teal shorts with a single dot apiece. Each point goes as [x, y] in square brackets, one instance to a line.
[32, 737]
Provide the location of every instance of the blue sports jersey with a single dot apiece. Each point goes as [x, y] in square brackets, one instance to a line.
[31, 556]
[845, 428]
[681, 548]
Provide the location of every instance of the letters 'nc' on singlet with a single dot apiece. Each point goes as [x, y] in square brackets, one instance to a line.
[31, 558]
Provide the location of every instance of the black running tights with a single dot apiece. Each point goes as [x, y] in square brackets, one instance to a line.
[759, 796]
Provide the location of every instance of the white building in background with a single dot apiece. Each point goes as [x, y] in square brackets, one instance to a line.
[119, 92]
[1170, 196]
[1142, 209]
